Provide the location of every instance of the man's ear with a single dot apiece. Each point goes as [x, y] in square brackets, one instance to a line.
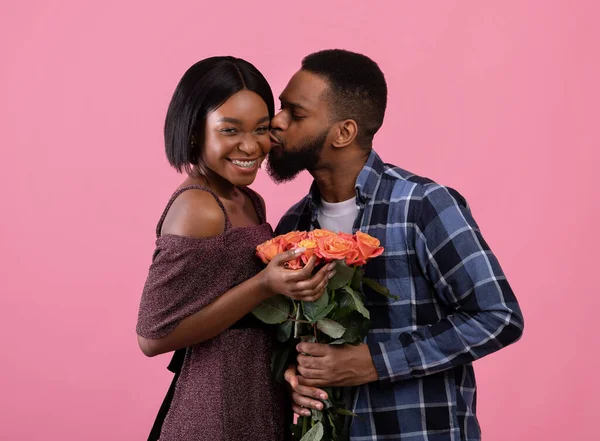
[345, 133]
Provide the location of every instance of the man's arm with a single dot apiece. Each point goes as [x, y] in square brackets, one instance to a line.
[467, 279]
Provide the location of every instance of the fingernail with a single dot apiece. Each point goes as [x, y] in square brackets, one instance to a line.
[306, 413]
[323, 396]
[319, 406]
[331, 274]
[299, 250]
[331, 266]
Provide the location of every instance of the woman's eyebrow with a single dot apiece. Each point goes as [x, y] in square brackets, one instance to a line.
[264, 119]
[228, 119]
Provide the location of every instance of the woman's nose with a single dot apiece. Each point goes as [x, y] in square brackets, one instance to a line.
[249, 145]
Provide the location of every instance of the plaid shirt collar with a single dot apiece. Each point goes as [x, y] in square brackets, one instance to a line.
[366, 183]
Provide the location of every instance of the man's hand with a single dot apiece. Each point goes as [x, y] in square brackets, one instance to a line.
[335, 365]
[303, 396]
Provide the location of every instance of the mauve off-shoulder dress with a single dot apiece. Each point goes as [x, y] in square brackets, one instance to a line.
[222, 390]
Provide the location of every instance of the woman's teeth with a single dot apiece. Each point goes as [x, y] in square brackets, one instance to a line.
[244, 164]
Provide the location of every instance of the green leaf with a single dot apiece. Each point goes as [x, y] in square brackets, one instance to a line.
[356, 283]
[314, 434]
[313, 309]
[332, 425]
[280, 362]
[351, 335]
[284, 331]
[336, 394]
[346, 412]
[317, 415]
[357, 301]
[331, 328]
[343, 276]
[346, 301]
[377, 287]
[326, 311]
[328, 402]
[274, 310]
[341, 313]
[298, 315]
[357, 328]
[339, 341]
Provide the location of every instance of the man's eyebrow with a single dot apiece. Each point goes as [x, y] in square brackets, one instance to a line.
[291, 104]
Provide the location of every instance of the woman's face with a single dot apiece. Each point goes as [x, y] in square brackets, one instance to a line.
[237, 138]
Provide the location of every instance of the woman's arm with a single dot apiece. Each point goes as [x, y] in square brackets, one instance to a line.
[196, 214]
[236, 303]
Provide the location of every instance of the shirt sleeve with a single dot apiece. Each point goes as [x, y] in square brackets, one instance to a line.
[466, 278]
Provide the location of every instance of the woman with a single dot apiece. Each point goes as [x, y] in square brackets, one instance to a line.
[204, 279]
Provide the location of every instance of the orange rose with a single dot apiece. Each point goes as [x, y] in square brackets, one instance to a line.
[269, 249]
[291, 239]
[368, 245]
[319, 234]
[295, 263]
[346, 236]
[352, 260]
[334, 247]
[311, 248]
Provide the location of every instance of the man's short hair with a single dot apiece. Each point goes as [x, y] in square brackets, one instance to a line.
[356, 89]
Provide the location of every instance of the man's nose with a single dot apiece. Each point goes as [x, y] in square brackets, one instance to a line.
[279, 121]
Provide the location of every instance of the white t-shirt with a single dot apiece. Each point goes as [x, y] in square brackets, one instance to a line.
[338, 216]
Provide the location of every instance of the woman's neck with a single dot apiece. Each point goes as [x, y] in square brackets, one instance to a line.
[222, 187]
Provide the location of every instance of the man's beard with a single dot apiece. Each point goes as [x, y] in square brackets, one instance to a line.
[284, 165]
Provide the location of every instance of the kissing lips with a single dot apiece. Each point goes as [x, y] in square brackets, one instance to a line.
[275, 142]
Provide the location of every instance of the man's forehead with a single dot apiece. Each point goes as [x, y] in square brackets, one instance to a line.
[304, 88]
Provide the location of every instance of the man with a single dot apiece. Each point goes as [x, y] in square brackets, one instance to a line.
[413, 374]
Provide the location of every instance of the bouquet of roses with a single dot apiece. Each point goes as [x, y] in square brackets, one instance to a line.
[337, 317]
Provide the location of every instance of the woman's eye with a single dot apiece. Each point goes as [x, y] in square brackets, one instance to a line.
[229, 131]
[262, 130]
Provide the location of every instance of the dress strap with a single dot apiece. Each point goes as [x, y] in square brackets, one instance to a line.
[192, 187]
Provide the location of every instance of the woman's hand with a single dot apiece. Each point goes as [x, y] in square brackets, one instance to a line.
[297, 284]
[304, 397]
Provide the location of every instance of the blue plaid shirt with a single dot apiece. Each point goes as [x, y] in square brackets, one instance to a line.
[454, 305]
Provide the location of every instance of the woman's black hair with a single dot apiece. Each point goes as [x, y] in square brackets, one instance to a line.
[204, 87]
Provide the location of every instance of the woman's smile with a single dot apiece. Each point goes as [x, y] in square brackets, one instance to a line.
[246, 165]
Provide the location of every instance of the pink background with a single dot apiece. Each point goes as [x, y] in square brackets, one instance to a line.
[497, 99]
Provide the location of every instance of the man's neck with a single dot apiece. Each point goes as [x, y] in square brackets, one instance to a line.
[337, 179]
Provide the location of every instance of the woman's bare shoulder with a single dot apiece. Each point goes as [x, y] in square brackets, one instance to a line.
[194, 213]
